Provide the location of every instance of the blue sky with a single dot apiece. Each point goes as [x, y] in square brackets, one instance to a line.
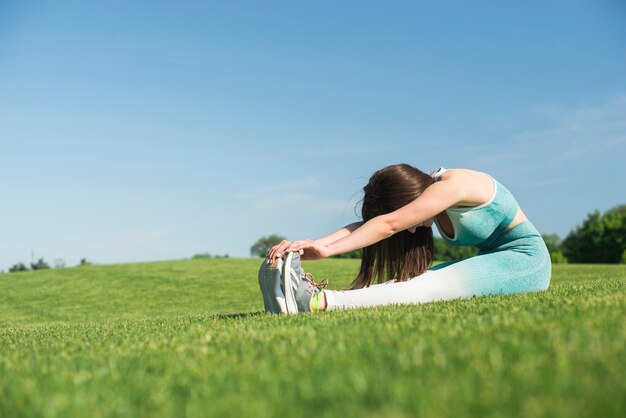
[136, 131]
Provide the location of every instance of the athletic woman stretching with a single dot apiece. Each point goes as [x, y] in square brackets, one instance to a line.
[399, 207]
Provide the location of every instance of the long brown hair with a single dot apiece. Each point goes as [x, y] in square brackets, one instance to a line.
[403, 255]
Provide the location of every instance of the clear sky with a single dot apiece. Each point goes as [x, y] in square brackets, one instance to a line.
[136, 131]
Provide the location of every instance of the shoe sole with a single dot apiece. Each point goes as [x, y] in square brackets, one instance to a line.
[290, 297]
[270, 279]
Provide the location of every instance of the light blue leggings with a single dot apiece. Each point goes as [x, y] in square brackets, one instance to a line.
[517, 262]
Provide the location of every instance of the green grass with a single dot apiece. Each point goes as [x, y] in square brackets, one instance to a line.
[186, 338]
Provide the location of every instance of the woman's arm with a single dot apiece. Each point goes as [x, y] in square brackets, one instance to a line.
[278, 250]
[345, 231]
[434, 200]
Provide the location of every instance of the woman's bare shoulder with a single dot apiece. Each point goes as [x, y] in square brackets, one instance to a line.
[478, 186]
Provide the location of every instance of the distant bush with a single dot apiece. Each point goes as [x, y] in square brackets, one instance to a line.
[207, 255]
[555, 248]
[16, 268]
[352, 254]
[553, 242]
[84, 262]
[40, 265]
[557, 257]
[59, 263]
[203, 255]
[447, 252]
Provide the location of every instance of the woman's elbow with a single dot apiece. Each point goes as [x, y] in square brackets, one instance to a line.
[391, 227]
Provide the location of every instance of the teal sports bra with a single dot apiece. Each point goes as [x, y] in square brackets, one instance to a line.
[480, 225]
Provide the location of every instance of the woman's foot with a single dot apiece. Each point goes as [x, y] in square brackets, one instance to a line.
[310, 297]
[318, 302]
[302, 294]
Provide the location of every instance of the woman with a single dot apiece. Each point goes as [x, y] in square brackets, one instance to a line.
[399, 207]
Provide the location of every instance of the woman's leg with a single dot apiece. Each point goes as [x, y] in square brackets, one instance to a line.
[515, 270]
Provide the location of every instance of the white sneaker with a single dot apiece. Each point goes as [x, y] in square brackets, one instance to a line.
[298, 286]
[270, 282]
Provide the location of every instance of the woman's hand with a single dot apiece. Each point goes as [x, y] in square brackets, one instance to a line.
[310, 250]
[277, 251]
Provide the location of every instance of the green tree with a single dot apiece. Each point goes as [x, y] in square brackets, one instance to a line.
[614, 237]
[40, 265]
[263, 245]
[600, 238]
[583, 244]
[16, 268]
[84, 262]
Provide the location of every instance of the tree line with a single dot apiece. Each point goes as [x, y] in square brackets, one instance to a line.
[42, 264]
[601, 238]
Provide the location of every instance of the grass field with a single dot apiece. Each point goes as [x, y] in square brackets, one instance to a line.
[187, 338]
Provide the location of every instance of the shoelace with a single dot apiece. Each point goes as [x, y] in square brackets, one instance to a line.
[321, 285]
